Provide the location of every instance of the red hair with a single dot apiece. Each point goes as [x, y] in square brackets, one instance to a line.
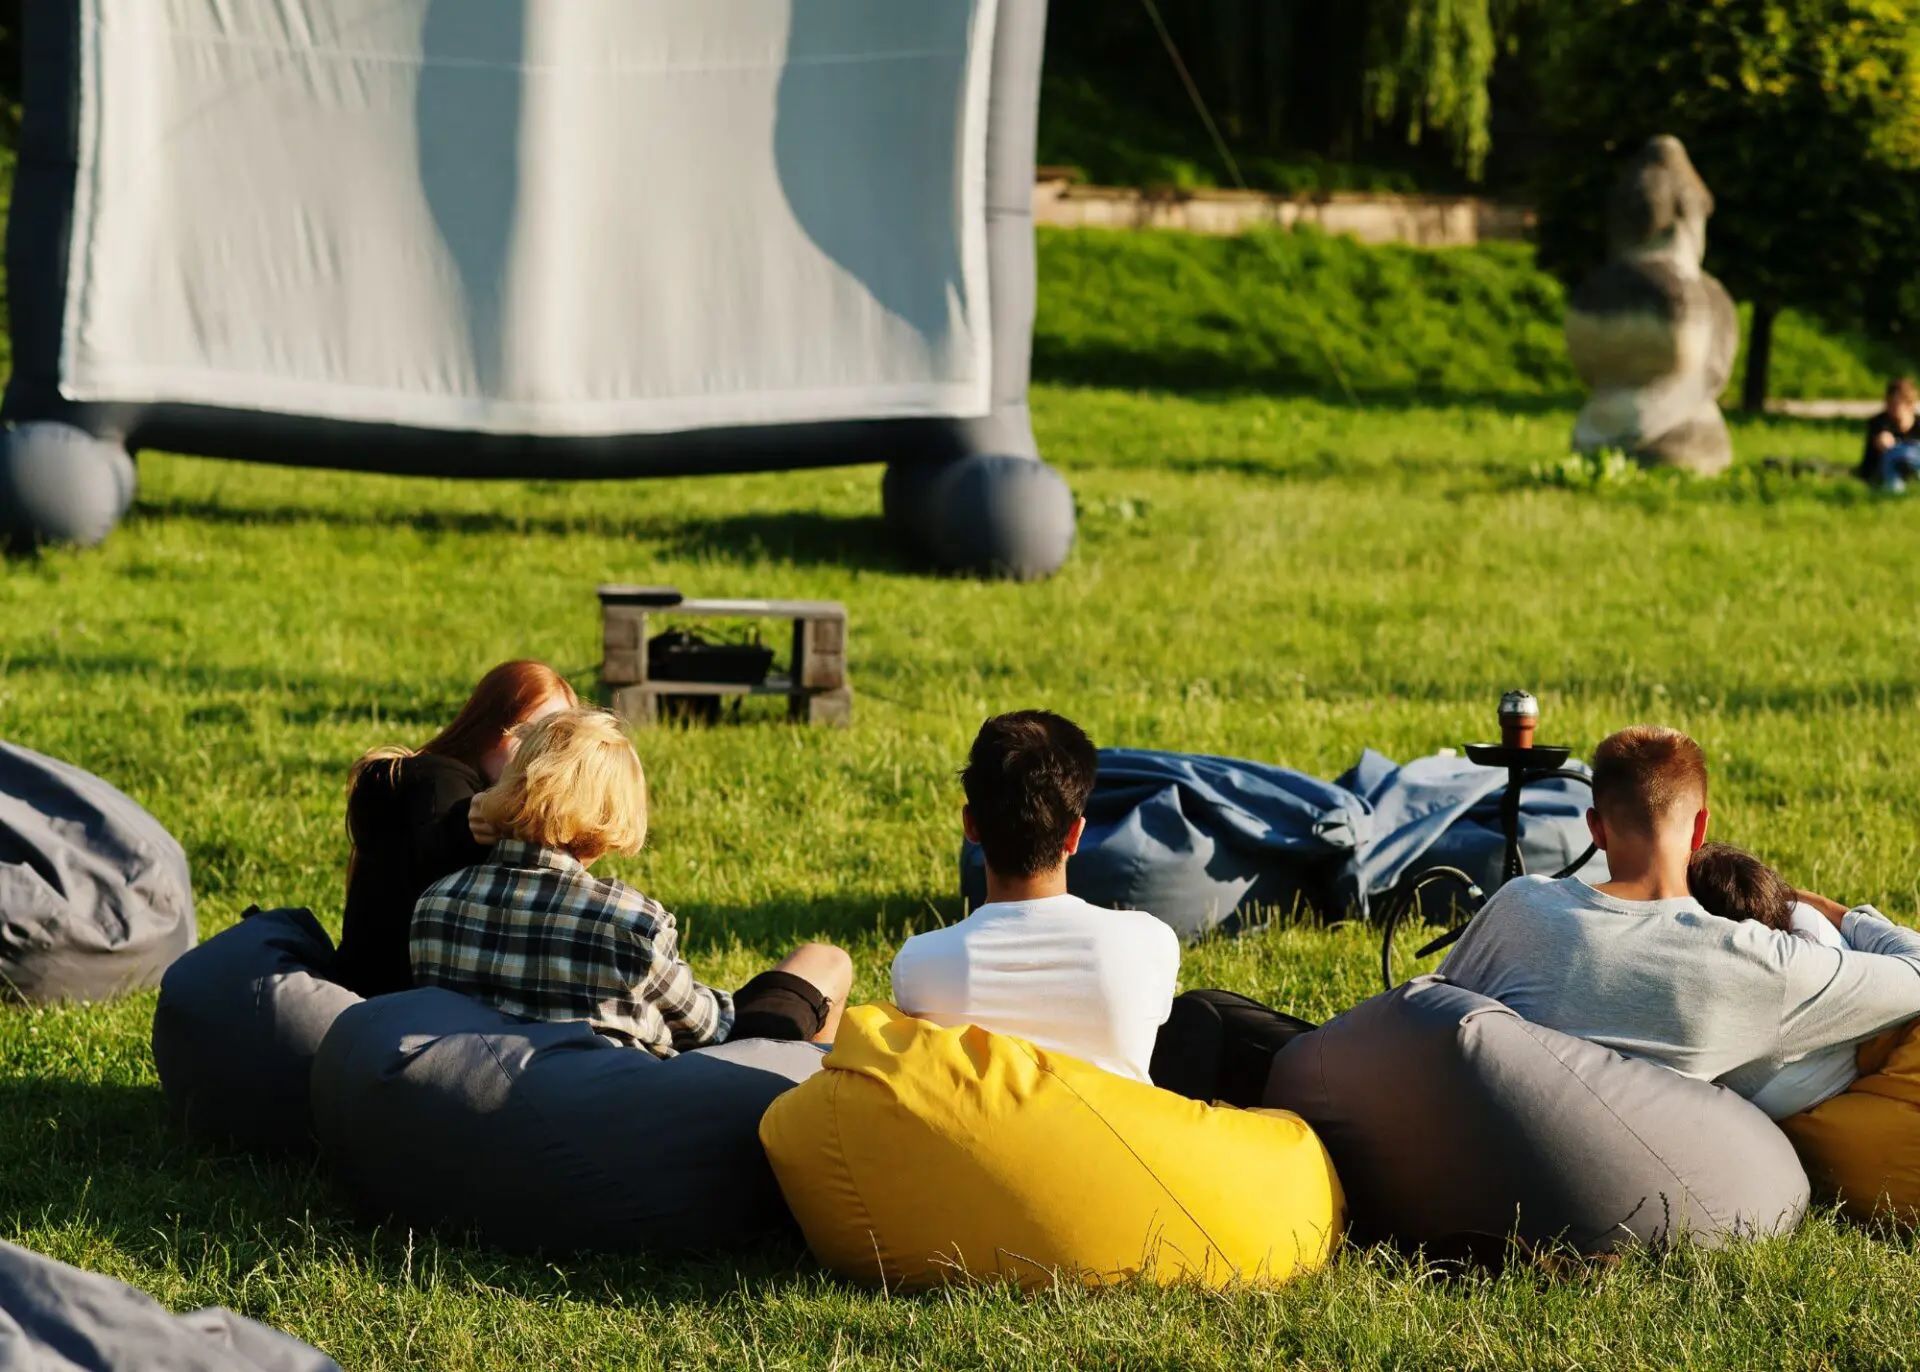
[505, 697]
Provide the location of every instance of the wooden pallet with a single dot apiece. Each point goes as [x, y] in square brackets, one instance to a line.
[816, 688]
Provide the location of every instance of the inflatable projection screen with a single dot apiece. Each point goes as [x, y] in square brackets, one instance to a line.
[555, 238]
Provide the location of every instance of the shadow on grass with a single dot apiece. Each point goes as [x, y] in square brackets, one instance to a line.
[800, 537]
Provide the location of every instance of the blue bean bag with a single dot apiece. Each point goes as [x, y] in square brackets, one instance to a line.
[56, 1318]
[1456, 1125]
[237, 1025]
[95, 899]
[443, 1112]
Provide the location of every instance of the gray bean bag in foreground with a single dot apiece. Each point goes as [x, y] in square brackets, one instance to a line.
[443, 1112]
[238, 1022]
[1454, 1124]
[56, 1318]
[94, 894]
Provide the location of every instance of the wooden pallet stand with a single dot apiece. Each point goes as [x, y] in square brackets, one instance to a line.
[816, 690]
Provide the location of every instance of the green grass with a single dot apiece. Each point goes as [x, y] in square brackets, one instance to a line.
[1260, 573]
[1312, 314]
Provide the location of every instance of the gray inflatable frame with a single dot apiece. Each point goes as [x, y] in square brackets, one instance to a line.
[970, 494]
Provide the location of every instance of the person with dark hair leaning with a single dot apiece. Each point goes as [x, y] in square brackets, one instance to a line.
[1037, 963]
[411, 822]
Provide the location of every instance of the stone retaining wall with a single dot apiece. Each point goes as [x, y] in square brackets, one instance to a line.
[1428, 221]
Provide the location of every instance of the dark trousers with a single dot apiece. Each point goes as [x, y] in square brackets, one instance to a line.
[1219, 1046]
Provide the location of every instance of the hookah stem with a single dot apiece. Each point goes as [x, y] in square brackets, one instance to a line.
[1510, 819]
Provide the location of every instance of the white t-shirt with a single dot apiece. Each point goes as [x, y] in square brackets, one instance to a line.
[1822, 1074]
[1064, 975]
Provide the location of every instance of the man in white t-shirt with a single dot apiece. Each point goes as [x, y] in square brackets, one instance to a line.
[1034, 962]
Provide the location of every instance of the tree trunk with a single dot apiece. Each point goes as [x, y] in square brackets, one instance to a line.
[1753, 387]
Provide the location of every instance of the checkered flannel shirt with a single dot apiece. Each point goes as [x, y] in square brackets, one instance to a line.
[533, 932]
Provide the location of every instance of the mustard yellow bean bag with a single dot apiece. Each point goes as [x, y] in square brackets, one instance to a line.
[921, 1155]
[1862, 1148]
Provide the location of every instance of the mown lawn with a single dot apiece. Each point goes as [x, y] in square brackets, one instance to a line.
[1260, 574]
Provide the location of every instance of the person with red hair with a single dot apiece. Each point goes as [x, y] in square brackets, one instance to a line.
[410, 821]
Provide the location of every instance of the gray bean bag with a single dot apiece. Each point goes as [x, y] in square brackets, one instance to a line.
[443, 1112]
[56, 1318]
[239, 1020]
[1454, 1124]
[94, 894]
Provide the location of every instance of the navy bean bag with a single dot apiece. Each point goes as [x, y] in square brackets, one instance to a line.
[443, 1112]
[94, 895]
[238, 1022]
[1454, 1125]
[56, 1318]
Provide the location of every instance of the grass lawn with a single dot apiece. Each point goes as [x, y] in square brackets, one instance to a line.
[1258, 573]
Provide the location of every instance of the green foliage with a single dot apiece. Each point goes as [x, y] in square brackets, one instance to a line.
[1427, 66]
[1802, 115]
[1288, 78]
[1113, 141]
[1310, 313]
[1278, 578]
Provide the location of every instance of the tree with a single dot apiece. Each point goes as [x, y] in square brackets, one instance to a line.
[1802, 115]
[1302, 75]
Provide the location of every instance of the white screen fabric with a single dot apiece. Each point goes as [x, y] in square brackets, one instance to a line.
[543, 217]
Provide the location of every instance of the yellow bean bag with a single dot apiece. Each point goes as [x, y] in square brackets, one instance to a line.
[1862, 1147]
[921, 1155]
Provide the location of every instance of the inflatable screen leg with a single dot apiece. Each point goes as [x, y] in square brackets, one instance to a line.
[59, 484]
[987, 514]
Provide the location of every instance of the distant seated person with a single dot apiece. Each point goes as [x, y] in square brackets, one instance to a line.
[532, 932]
[1034, 962]
[1892, 455]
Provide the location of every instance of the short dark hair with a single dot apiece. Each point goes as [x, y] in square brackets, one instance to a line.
[1642, 773]
[1734, 884]
[1027, 779]
[1902, 388]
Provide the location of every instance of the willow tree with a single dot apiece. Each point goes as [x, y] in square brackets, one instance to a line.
[1304, 74]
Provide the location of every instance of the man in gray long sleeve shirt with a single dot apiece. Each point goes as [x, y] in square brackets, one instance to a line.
[1635, 964]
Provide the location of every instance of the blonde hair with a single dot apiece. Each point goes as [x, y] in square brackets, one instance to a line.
[575, 783]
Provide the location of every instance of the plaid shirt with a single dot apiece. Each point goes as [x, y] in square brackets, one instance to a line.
[532, 932]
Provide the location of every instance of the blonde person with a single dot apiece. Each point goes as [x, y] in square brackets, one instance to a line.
[533, 932]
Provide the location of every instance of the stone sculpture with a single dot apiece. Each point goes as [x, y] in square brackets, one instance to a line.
[1652, 334]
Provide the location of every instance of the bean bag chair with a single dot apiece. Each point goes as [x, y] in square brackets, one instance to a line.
[238, 1022]
[923, 1155]
[94, 894]
[1862, 1147]
[56, 1318]
[446, 1113]
[1457, 1125]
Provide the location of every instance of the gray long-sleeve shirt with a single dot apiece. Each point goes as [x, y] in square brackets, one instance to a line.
[1664, 980]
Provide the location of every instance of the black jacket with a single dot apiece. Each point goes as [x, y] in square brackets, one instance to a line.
[408, 819]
